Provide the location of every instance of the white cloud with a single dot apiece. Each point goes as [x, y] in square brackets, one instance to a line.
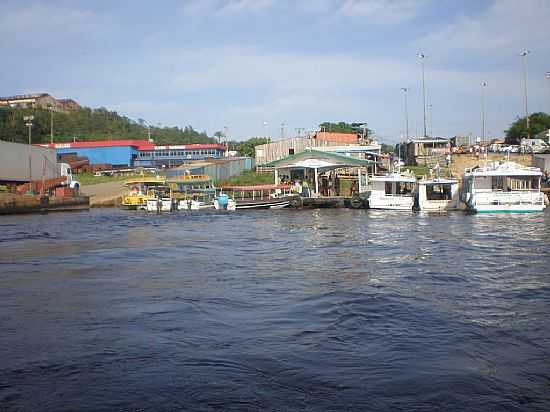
[223, 7]
[382, 11]
[506, 28]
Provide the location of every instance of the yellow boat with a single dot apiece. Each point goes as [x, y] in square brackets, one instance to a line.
[141, 190]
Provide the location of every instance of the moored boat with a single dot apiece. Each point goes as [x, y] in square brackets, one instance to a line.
[253, 197]
[437, 195]
[193, 192]
[502, 187]
[393, 191]
[140, 191]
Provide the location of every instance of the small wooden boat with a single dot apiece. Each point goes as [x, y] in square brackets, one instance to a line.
[193, 192]
[140, 190]
[253, 197]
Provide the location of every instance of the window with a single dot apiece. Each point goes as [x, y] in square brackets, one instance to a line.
[389, 188]
[438, 192]
[497, 183]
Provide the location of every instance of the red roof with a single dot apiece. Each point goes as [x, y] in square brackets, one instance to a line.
[138, 144]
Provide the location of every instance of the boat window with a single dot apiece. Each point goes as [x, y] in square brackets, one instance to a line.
[388, 188]
[522, 183]
[497, 183]
[438, 192]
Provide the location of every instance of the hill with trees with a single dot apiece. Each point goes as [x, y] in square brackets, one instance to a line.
[89, 124]
[538, 122]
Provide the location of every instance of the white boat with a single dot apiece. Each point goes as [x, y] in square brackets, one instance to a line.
[437, 195]
[502, 187]
[190, 204]
[253, 197]
[393, 191]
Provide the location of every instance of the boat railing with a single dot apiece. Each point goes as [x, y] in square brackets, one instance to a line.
[515, 197]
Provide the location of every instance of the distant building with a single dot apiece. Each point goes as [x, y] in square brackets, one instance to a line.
[138, 153]
[460, 141]
[28, 101]
[68, 104]
[38, 101]
[425, 150]
[337, 137]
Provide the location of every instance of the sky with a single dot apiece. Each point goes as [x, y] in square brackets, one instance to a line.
[253, 65]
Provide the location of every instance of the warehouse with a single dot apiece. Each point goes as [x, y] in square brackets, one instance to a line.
[138, 153]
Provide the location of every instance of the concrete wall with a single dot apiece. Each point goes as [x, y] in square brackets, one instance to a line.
[542, 161]
[14, 162]
[116, 155]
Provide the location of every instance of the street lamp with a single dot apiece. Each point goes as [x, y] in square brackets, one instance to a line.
[422, 57]
[265, 129]
[28, 122]
[483, 86]
[405, 90]
[524, 60]
[51, 108]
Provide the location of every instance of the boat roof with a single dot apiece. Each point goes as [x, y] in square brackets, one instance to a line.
[146, 180]
[504, 169]
[188, 179]
[440, 181]
[255, 187]
[394, 177]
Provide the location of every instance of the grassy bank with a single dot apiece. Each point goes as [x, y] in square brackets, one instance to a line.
[247, 178]
[87, 179]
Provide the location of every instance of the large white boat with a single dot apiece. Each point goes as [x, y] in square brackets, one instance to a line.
[437, 195]
[393, 191]
[502, 187]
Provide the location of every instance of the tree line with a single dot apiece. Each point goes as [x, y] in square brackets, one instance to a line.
[87, 124]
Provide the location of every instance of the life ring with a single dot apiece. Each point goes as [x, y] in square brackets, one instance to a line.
[296, 202]
[356, 202]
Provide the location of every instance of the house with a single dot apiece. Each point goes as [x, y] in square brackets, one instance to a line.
[38, 101]
[29, 101]
[425, 150]
[68, 104]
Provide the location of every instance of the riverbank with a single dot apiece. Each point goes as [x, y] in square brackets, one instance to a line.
[107, 194]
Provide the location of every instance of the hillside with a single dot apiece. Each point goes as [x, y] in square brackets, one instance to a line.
[89, 124]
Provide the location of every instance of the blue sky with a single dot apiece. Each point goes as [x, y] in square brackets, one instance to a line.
[240, 63]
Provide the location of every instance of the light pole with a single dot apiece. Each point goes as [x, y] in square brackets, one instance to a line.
[405, 90]
[265, 129]
[430, 119]
[524, 60]
[28, 122]
[483, 86]
[422, 57]
[51, 125]
[547, 75]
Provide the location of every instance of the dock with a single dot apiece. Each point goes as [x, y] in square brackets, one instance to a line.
[19, 204]
[351, 202]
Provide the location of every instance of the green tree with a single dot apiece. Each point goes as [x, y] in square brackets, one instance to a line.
[343, 127]
[248, 147]
[90, 124]
[538, 122]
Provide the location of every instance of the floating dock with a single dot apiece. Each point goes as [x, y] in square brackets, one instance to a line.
[17, 204]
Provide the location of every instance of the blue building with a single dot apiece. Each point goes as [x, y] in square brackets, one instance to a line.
[139, 153]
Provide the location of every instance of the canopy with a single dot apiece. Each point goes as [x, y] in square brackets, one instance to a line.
[315, 159]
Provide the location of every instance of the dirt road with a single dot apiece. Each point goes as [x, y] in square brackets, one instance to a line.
[104, 194]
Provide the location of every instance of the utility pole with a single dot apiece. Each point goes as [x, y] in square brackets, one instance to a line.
[51, 125]
[282, 131]
[28, 122]
[405, 90]
[483, 86]
[547, 75]
[422, 57]
[524, 60]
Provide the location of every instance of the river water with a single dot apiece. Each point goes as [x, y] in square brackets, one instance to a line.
[274, 310]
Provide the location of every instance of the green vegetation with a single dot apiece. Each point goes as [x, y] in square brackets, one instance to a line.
[247, 147]
[538, 122]
[247, 178]
[89, 124]
[344, 127]
[387, 148]
[91, 179]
